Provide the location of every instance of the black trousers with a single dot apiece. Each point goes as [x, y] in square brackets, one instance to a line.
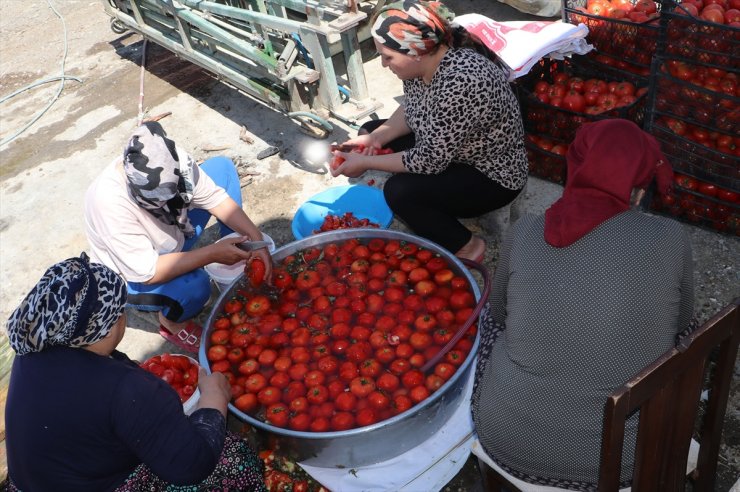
[432, 204]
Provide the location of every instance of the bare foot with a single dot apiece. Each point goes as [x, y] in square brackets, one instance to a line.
[473, 250]
[171, 326]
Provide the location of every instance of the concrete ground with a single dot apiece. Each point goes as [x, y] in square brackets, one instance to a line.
[45, 171]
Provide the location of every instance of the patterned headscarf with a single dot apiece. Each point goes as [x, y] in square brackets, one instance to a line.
[75, 304]
[158, 180]
[606, 160]
[412, 27]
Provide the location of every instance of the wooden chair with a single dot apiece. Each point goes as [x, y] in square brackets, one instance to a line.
[667, 394]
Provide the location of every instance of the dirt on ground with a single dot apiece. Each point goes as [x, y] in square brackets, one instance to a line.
[45, 170]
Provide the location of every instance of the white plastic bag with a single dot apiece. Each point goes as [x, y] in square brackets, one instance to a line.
[521, 44]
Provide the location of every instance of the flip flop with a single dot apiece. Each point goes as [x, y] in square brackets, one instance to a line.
[187, 339]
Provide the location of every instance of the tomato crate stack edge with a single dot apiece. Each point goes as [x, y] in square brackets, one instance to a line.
[695, 115]
[694, 111]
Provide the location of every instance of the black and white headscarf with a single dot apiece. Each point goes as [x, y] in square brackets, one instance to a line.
[160, 180]
[75, 304]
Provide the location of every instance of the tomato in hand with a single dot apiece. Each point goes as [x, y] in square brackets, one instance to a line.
[256, 272]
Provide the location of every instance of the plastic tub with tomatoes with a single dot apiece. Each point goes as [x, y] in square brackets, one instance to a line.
[392, 432]
[362, 202]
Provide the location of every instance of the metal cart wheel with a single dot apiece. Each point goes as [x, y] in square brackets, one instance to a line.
[117, 26]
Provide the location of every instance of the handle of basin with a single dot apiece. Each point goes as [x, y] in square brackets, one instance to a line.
[473, 316]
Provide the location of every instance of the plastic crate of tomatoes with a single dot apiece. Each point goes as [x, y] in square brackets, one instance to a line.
[546, 158]
[708, 155]
[557, 97]
[702, 95]
[628, 31]
[707, 34]
[701, 203]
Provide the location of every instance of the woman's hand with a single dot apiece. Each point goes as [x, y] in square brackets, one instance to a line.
[215, 391]
[370, 143]
[351, 164]
[264, 255]
[227, 252]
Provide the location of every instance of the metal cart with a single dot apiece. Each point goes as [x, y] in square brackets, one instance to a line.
[282, 52]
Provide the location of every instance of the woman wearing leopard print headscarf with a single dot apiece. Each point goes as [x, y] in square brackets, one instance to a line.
[144, 215]
[82, 416]
[458, 139]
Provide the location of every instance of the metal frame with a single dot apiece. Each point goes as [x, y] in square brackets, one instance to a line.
[255, 45]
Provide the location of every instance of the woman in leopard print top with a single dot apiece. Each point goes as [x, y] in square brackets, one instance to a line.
[458, 139]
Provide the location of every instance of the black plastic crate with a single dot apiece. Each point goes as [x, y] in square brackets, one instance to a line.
[693, 157]
[713, 107]
[559, 123]
[698, 40]
[543, 163]
[694, 206]
[615, 67]
[634, 43]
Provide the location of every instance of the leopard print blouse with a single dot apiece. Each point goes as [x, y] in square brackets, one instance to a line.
[468, 114]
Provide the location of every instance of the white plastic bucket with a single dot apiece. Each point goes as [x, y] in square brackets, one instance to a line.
[189, 406]
[223, 275]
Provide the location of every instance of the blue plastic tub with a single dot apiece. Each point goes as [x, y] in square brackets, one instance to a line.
[365, 202]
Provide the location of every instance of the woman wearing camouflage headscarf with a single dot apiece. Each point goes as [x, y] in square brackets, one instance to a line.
[143, 217]
[82, 416]
[458, 139]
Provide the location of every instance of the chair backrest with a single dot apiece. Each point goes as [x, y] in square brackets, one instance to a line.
[667, 394]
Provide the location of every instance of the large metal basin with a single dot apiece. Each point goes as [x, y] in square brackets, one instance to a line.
[383, 440]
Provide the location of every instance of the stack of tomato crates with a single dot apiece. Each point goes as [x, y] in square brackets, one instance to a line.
[694, 112]
[610, 82]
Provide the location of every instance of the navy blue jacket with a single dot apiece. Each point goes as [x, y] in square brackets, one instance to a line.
[78, 421]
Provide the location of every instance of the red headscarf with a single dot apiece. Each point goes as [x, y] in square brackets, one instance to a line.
[606, 160]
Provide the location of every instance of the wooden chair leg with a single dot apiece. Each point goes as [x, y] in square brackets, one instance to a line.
[492, 482]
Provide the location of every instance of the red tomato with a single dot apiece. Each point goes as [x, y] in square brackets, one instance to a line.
[708, 189]
[269, 395]
[362, 386]
[574, 101]
[317, 394]
[258, 305]
[366, 416]
[233, 306]
[277, 414]
[342, 421]
[256, 271]
[217, 352]
[684, 181]
[419, 393]
[247, 403]
[727, 195]
[712, 15]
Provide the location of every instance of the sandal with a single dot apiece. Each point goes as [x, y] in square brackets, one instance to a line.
[187, 339]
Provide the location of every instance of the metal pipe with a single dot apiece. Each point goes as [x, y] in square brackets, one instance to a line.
[220, 34]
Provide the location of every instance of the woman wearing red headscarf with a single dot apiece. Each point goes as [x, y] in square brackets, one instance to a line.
[457, 140]
[586, 296]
